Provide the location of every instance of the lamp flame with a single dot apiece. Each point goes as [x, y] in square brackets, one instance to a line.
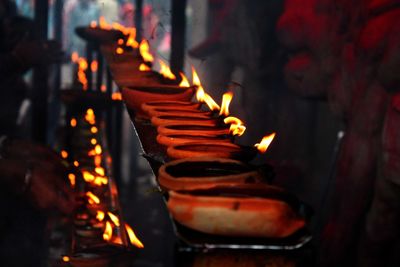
[94, 66]
[87, 176]
[64, 154]
[144, 67]
[133, 238]
[72, 179]
[166, 71]
[132, 38]
[113, 218]
[236, 126]
[116, 96]
[93, 24]
[100, 215]
[92, 198]
[144, 50]
[226, 101]
[119, 50]
[103, 24]
[184, 82]
[107, 235]
[265, 142]
[73, 122]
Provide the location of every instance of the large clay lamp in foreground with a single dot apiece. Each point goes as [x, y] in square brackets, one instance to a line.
[240, 210]
[198, 173]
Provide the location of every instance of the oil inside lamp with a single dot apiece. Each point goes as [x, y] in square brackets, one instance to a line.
[265, 142]
[132, 237]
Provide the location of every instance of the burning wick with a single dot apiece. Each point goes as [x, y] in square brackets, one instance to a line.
[94, 130]
[165, 71]
[87, 176]
[64, 154]
[184, 82]
[265, 142]
[236, 126]
[133, 238]
[114, 218]
[92, 198]
[226, 101]
[144, 50]
[201, 95]
[107, 235]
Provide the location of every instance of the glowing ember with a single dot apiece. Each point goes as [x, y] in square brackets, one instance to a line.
[93, 141]
[93, 24]
[116, 96]
[100, 215]
[64, 154]
[144, 67]
[184, 82]
[236, 126]
[72, 179]
[73, 122]
[166, 71]
[100, 171]
[94, 130]
[133, 238]
[66, 259]
[119, 50]
[144, 50]
[76, 163]
[92, 198]
[87, 176]
[265, 142]
[114, 218]
[107, 235]
[226, 101]
[94, 65]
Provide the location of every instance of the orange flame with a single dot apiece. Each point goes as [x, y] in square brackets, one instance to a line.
[97, 160]
[133, 238]
[82, 67]
[72, 179]
[99, 181]
[94, 130]
[212, 105]
[119, 50]
[92, 198]
[184, 82]
[87, 176]
[116, 96]
[73, 122]
[166, 71]
[90, 117]
[100, 171]
[226, 101]
[103, 24]
[95, 151]
[103, 88]
[93, 24]
[265, 142]
[120, 41]
[144, 50]
[195, 77]
[144, 67]
[201, 95]
[132, 38]
[236, 126]
[107, 235]
[64, 154]
[94, 66]
[113, 218]
[66, 259]
[76, 163]
[74, 57]
[100, 215]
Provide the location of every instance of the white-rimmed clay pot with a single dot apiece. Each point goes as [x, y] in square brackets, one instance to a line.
[134, 97]
[190, 129]
[178, 119]
[171, 112]
[178, 139]
[200, 173]
[172, 105]
[211, 149]
[240, 210]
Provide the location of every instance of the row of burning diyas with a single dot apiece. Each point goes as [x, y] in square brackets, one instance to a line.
[208, 190]
[97, 221]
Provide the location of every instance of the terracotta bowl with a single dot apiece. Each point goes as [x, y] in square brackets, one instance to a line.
[170, 105]
[178, 139]
[240, 210]
[189, 112]
[98, 35]
[188, 129]
[178, 119]
[211, 149]
[198, 173]
[134, 97]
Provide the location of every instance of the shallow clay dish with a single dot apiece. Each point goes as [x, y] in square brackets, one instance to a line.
[170, 105]
[189, 118]
[188, 129]
[168, 111]
[178, 139]
[240, 210]
[134, 97]
[200, 173]
[211, 149]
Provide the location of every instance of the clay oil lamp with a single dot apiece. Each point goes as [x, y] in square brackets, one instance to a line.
[200, 173]
[219, 149]
[200, 119]
[177, 139]
[239, 210]
[154, 112]
[183, 129]
[165, 105]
